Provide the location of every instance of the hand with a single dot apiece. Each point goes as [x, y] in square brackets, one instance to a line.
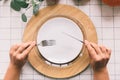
[99, 55]
[19, 53]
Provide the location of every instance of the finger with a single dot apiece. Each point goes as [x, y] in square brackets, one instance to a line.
[28, 49]
[108, 52]
[14, 48]
[96, 48]
[91, 50]
[23, 46]
[103, 49]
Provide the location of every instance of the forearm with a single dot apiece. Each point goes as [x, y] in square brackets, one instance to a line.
[13, 73]
[101, 75]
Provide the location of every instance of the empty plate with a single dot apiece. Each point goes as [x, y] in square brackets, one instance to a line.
[66, 48]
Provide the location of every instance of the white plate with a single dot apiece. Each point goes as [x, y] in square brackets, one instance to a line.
[66, 48]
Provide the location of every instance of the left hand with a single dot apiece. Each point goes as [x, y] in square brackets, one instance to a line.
[19, 53]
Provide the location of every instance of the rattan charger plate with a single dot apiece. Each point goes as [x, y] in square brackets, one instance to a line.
[35, 23]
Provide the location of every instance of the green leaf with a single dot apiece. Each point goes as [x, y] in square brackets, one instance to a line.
[24, 18]
[15, 6]
[35, 9]
[33, 3]
[41, 0]
[22, 3]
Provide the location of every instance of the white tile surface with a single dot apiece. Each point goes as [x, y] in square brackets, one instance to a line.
[4, 57]
[75, 78]
[97, 21]
[99, 33]
[27, 77]
[117, 45]
[85, 9]
[5, 11]
[111, 68]
[117, 11]
[4, 22]
[117, 21]
[4, 45]
[117, 33]
[27, 69]
[95, 10]
[38, 77]
[106, 20]
[16, 33]
[95, 1]
[109, 44]
[3, 67]
[108, 33]
[107, 11]
[85, 77]
[5, 34]
[16, 22]
[112, 59]
[117, 69]
[117, 57]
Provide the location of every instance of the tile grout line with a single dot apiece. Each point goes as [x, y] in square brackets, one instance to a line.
[114, 44]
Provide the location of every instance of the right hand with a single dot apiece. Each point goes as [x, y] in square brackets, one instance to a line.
[99, 55]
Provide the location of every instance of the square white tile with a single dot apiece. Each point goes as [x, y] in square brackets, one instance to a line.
[5, 11]
[5, 34]
[99, 33]
[117, 33]
[38, 77]
[116, 21]
[107, 11]
[88, 71]
[97, 21]
[107, 21]
[117, 77]
[95, 2]
[117, 11]
[112, 57]
[117, 45]
[75, 78]
[5, 22]
[4, 57]
[117, 69]
[109, 44]
[16, 33]
[4, 45]
[16, 22]
[26, 77]
[85, 9]
[1, 76]
[95, 10]
[108, 33]
[62, 1]
[27, 69]
[86, 77]
[4, 67]
[111, 68]
[15, 41]
[117, 57]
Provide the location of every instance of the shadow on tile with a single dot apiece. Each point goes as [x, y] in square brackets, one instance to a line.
[52, 2]
[81, 2]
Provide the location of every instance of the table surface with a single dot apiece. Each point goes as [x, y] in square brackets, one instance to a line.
[106, 20]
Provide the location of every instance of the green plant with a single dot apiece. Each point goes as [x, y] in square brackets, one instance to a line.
[17, 5]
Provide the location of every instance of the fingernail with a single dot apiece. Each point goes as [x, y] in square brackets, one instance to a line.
[33, 42]
[86, 42]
